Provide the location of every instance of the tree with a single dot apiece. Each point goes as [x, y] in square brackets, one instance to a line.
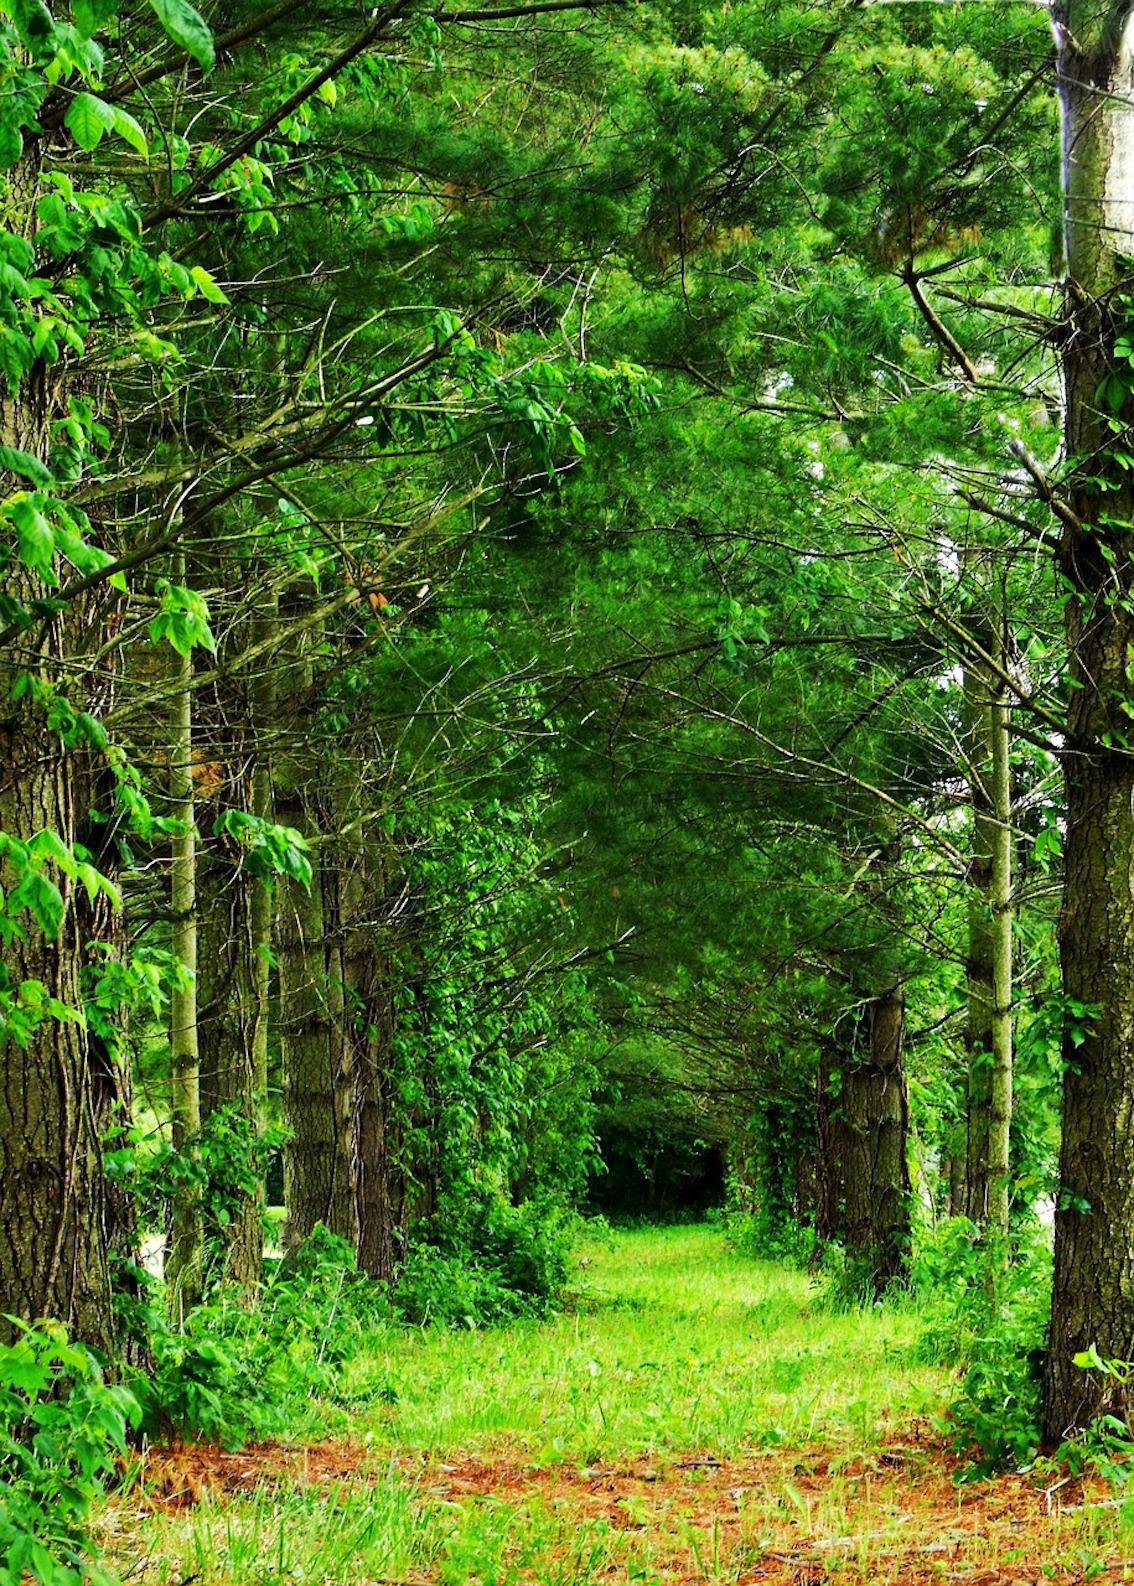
[122, 289]
[1093, 1299]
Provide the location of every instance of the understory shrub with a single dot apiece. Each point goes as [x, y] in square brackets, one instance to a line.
[232, 1372]
[223, 1166]
[62, 1429]
[845, 1281]
[767, 1237]
[484, 1262]
[989, 1321]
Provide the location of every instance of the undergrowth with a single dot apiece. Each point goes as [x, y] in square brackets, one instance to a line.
[485, 1262]
[987, 1320]
[768, 1238]
[699, 1419]
[62, 1429]
[232, 1372]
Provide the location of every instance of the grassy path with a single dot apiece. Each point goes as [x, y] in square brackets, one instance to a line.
[693, 1419]
[676, 1344]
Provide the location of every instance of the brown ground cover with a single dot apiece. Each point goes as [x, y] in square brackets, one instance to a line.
[768, 1519]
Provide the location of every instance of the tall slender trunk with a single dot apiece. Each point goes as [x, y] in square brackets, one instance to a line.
[184, 1261]
[58, 1082]
[830, 1127]
[318, 1169]
[1001, 902]
[248, 1256]
[370, 1025]
[1093, 1290]
[979, 973]
[989, 1036]
[236, 913]
[227, 982]
[318, 1156]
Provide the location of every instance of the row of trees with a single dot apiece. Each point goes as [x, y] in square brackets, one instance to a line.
[494, 488]
[266, 829]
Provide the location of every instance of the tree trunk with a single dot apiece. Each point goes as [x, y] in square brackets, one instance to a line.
[1093, 1291]
[978, 965]
[370, 1032]
[990, 915]
[875, 1171]
[236, 915]
[57, 1085]
[832, 1147]
[227, 1012]
[57, 1082]
[247, 1261]
[1001, 903]
[318, 1184]
[183, 1267]
[317, 1158]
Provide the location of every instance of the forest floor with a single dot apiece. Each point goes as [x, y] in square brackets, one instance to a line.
[695, 1419]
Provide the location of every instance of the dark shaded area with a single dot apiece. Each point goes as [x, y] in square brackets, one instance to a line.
[655, 1175]
[275, 1189]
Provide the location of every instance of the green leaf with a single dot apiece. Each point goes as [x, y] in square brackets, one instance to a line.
[23, 463]
[183, 619]
[205, 284]
[130, 131]
[88, 118]
[90, 15]
[188, 28]
[34, 24]
[20, 1368]
[11, 144]
[43, 901]
[47, 844]
[36, 540]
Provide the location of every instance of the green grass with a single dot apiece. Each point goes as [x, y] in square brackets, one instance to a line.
[585, 1449]
[675, 1343]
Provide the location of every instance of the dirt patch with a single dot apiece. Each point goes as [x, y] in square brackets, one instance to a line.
[181, 1476]
[894, 1518]
[772, 1519]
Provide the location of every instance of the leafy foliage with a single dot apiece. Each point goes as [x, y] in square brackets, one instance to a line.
[989, 1321]
[63, 1428]
[484, 1262]
[232, 1371]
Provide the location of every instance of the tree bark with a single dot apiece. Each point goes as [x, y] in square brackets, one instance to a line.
[370, 1032]
[318, 1169]
[989, 1034]
[862, 1129]
[57, 1084]
[183, 1267]
[1001, 903]
[832, 1147]
[1093, 1291]
[227, 1013]
[979, 972]
[874, 1138]
[236, 915]
[317, 1097]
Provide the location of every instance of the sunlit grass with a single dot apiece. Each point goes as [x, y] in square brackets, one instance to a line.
[675, 1343]
[695, 1417]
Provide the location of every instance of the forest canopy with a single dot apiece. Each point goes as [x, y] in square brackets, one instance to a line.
[566, 630]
